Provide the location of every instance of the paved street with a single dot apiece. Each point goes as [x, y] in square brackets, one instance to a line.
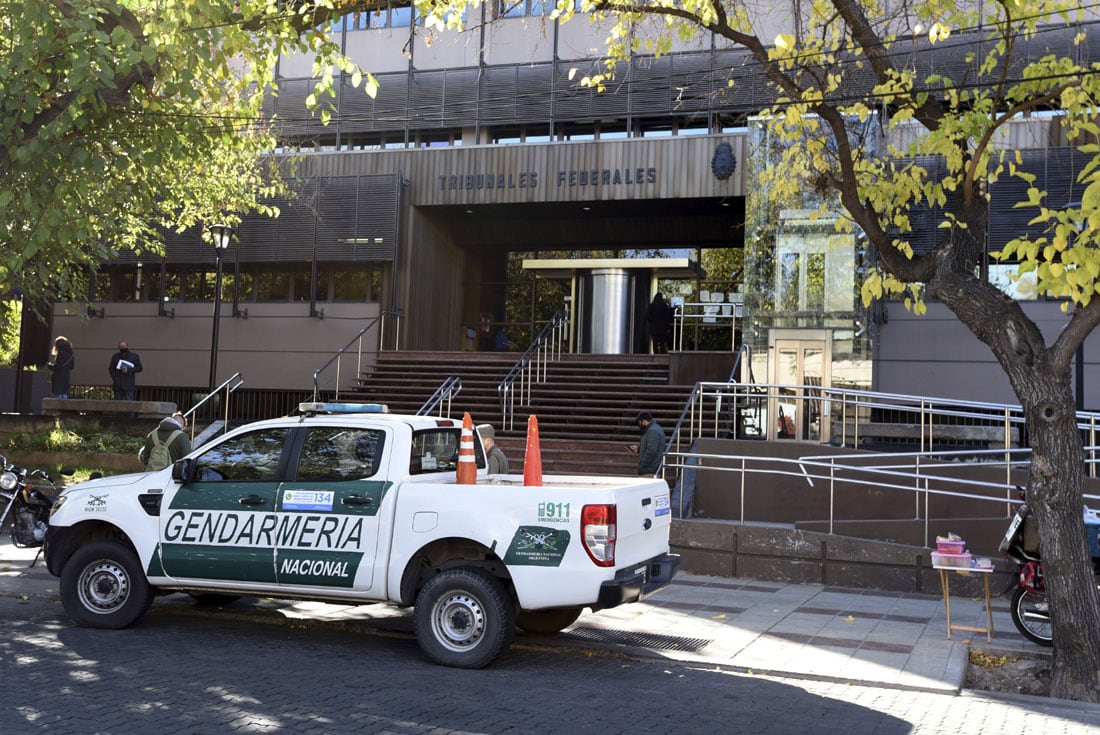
[178, 673]
[185, 669]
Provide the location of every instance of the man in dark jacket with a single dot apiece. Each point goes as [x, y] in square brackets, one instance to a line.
[123, 367]
[494, 455]
[651, 447]
[166, 443]
[658, 316]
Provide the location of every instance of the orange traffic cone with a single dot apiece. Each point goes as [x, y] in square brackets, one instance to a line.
[532, 460]
[466, 474]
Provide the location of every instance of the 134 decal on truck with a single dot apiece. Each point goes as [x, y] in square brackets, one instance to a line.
[348, 503]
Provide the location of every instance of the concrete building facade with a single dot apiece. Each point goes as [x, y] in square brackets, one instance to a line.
[480, 161]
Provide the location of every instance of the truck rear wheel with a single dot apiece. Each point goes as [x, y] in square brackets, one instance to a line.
[547, 622]
[104, 586]
[464, 618]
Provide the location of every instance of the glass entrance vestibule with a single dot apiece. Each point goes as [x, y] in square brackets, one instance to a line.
[607, 297]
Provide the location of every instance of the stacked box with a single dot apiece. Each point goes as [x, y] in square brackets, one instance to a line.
[950, 547]
[940, 559]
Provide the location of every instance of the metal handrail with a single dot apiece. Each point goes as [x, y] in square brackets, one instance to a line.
[708, 314]
[674, 437]
[231, 384]
[880, 477]
[531, 367]
[853, 406]
[744, 350]
[448, 389]
[340, 353]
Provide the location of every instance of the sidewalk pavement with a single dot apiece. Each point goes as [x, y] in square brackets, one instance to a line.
[857, 636]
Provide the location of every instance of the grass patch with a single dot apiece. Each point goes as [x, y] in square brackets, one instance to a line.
[58, 439]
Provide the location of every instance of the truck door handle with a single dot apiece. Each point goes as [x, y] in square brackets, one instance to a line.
[252, 500]
[357, 500]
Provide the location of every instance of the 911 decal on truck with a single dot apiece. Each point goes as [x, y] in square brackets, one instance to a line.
[349, 503]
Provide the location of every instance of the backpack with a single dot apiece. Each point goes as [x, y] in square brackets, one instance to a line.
[159, 456]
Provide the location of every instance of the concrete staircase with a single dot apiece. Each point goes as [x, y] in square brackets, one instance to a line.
[585, 408]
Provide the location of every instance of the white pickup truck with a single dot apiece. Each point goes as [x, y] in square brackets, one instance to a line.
[346, 504]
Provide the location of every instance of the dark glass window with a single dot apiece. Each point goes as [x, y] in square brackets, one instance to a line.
[273, 286]
[248, 457]
[436, 450]
[338, 454]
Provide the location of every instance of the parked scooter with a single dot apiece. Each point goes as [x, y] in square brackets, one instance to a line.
[1030, 609]
[29, 504]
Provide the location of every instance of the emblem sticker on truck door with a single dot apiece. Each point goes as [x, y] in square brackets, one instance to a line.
[537, 546]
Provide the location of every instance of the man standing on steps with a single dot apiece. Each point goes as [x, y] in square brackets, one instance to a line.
[494, 455]
[651, 447]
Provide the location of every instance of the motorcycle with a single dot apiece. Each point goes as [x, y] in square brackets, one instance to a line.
[29, 504]
[1029, 608]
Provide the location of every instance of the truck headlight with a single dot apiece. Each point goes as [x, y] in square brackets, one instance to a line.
[57, 504]
[8, 480]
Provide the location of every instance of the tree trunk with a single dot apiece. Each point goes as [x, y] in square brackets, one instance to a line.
[1054, 496]
[1057, 474]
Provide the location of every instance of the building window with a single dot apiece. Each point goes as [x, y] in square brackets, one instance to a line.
[1024, 288]
[363, 284]
[401, 17]
[511, 8]
[273, 286]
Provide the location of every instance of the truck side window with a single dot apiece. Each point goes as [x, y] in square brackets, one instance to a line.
[436, 450]
[337, 454]
[248, 457]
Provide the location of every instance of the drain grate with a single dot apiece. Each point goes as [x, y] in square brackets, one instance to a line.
[642, 640]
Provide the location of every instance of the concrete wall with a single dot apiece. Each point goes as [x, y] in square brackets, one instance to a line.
[728, 549]
[433, 276]
[936, 355]
[176, 351]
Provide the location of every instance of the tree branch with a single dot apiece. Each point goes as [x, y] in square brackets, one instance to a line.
[1081, 323]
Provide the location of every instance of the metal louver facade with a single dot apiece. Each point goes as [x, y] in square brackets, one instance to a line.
[335, 219]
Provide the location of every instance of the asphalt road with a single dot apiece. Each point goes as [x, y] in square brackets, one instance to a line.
[177, 672]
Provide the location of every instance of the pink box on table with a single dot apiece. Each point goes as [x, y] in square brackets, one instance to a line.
[950, 547]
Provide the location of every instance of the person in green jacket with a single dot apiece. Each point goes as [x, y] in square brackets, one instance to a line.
[166, 443]
[651, 447]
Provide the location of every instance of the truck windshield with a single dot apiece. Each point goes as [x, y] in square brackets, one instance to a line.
[436, 450]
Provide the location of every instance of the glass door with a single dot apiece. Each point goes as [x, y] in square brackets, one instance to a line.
[800, 369]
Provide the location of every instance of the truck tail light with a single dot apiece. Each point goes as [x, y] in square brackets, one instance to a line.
[598, 530]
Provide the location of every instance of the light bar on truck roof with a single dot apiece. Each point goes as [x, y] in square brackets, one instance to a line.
[325, 407]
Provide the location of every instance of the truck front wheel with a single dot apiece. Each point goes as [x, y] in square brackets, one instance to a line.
[548, 622]
[104, 586]
[464, 618]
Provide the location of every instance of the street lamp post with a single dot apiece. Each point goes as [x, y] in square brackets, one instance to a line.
[220, 236]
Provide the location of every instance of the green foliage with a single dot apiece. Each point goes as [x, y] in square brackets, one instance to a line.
[832, 140]
[117, 116]
[58, 439]
[11, 312]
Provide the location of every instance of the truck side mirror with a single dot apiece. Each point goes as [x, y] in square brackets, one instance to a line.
[183, 471]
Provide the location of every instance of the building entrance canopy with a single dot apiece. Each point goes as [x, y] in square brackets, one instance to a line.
[609, 296]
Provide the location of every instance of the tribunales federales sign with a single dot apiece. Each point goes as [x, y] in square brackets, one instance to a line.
[665, 168]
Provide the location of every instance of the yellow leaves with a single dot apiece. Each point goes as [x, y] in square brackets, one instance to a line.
[938, 32]
[784, 42]
[371, 87]
[988, 660]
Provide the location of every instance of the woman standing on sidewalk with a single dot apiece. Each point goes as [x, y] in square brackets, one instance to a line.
[61, 364]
